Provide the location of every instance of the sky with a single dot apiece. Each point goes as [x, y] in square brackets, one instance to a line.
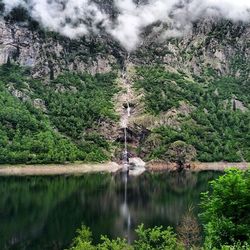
[76, 18]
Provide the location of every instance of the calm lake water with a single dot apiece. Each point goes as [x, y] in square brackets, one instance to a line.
[44, 212]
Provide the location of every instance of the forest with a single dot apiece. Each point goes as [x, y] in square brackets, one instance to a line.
[55, 121]
[59, 120]
[215, 124]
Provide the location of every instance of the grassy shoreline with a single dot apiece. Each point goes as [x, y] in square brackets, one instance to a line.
[109, 167]
[58, 169]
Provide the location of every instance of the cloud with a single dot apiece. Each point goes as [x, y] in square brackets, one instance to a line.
[9, 5]
[75, 18]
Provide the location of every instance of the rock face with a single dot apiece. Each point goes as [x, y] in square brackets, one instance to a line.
[137, 166]
[211, 44]
[40, 104]
[49, 54]
[236, 104]
[137, 162]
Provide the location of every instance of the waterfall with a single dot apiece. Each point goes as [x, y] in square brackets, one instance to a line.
[125, 153]
[125, 156]
[128, 110]
[125, 117]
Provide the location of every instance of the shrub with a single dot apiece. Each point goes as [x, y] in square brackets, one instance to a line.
[226, 210]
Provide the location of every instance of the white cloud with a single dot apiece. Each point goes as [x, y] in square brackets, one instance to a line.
[75, 18]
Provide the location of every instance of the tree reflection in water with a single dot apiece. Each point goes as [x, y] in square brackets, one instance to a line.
[44, 212]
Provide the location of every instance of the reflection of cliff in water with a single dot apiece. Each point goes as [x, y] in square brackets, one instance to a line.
[35, 206]
[162, 199]
[44, 212]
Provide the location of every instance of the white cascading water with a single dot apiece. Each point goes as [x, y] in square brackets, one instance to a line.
[124, 123]
[125, 119]
[125, 154]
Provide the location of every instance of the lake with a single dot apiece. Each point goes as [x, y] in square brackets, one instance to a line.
[44, 212]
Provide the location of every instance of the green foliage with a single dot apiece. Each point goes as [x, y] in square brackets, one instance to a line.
[156, 239]
[236, 246]
[148, 239]
[26, 135]
[75, 106]
[80, 101]
[213, 125]
[226, 210]
[83, 241]
[118, 244]
[164, 90]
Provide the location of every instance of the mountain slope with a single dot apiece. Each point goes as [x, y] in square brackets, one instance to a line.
[194, 89]
[45, 123]
[203, 112]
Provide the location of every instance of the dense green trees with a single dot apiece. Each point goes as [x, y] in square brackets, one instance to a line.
[207, 119]
[72, 108]
[79, 101]
[156, 238]
[226, 210]
[65, 125]
[27, 137]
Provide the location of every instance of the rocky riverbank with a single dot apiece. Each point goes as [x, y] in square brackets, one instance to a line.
[111, 167]
[155, 166]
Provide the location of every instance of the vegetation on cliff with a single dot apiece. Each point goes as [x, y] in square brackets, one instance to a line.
[54, 121]
[204, 103]
[58, 120]
[209, 112]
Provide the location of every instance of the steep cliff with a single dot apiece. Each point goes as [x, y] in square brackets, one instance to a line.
[194, 88]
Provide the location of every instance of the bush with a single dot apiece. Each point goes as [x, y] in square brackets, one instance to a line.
[226, 210]
[156, 239]
[148, 239]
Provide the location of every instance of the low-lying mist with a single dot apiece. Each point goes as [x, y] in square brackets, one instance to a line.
[128, 18]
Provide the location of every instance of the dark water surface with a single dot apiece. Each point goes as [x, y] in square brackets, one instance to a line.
[44, 212]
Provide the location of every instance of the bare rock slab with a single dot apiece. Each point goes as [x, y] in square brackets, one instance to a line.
[137, 166]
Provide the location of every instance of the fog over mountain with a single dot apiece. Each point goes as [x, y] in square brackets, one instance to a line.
[75, 18]
[96, 80]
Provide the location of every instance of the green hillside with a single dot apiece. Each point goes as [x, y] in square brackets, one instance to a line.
[62, 128]
[215, 126]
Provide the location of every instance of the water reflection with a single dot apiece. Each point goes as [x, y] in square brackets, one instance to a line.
[44, 212]
[125, 213]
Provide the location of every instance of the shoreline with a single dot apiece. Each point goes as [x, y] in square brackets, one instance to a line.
[109, 167]
[58, 169]
[157, 166]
